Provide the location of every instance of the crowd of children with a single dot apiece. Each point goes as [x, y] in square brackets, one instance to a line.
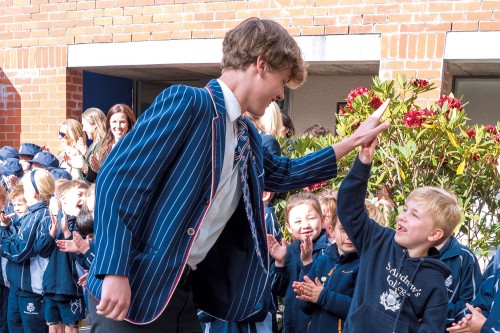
[345, 270]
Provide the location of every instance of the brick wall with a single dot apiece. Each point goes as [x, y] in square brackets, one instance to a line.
[38, 92]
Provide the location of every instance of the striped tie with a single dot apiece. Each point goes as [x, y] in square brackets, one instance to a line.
[241, 156]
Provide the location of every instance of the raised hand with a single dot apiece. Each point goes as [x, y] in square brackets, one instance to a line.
[53, 226]
[95, 164]
[277, 250]
[306, 250]
[365, 134]
[5, 219]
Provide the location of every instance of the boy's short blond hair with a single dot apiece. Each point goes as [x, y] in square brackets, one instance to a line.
[71, 184]
[443, 208]
[256, 37]
[17, 191]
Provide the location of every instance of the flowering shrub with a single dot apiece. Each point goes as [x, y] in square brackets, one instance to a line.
[431, 146]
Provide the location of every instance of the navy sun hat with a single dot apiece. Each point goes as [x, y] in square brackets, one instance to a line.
[8, 152]
[46, 159]
[10, 167]
[29, 149]
[59, 173]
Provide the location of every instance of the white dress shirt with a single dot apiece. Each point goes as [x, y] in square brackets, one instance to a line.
[228, 192]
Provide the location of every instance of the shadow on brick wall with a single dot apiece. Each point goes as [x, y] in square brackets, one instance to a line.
[10, 113]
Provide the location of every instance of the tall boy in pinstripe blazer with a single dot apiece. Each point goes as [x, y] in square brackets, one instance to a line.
[171, 229]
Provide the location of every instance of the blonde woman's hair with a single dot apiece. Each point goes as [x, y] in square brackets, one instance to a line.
[74, 130]
[44, 182]
[96, 117]
[442, 206]
[271, 120]
[299, 199]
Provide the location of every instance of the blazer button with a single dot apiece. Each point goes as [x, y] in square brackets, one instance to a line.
[206, 202]
[190, 231]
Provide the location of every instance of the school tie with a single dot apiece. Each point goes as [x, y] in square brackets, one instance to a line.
[241, 156]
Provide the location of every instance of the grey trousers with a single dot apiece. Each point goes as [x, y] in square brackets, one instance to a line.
[180, 316]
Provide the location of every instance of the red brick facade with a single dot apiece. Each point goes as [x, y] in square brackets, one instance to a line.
[37, 91]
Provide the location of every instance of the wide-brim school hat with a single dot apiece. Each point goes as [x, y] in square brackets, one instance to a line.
[8, 152]
[59, 173]
[10, 167]
[46, 159]
[29, 149]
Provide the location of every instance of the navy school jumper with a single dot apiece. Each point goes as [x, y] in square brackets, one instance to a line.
[294, 319]
[338, 275]
[465, 278]
[394, 292]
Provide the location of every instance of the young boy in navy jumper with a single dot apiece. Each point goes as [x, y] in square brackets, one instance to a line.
[465, 278]
[304, 220]
[26, 267]
[401, 282]
[65, 305]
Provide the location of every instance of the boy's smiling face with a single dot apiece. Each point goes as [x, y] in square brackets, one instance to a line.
[304, 221]
[72, 201]
[415, 228]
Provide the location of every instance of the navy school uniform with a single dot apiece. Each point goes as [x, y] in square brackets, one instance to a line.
[338, 275]
[294, 319]
[394, 292]
[5, 232]
[60, 286]
[465, 278]
[25, 271]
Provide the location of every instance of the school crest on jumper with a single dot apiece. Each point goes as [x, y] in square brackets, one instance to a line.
[449, 281]
[389, 300]
[30, 307]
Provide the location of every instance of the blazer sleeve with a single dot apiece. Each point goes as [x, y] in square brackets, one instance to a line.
[133, 170]
[283, 174]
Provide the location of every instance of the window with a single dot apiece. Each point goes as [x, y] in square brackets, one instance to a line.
[483, 96]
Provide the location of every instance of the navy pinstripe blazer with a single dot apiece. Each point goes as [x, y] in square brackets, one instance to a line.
[154, 190]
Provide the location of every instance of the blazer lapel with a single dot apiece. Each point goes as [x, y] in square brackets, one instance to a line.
[218, 132]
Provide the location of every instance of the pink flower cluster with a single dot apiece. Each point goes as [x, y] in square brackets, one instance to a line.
[471, 133]
[420, 83]
[415, 118]
[314, 187]
[453, 103]
[374, 100]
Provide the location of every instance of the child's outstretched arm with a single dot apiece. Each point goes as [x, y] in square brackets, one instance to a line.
[351, 199]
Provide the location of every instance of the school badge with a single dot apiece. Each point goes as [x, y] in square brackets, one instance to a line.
[449, 281]
[30, 307]
[390, 300]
